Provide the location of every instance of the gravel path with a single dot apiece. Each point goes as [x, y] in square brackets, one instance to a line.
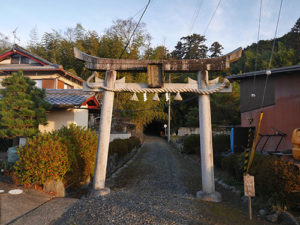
[155, 189]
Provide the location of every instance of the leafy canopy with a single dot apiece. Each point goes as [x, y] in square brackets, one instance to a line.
[22, 107]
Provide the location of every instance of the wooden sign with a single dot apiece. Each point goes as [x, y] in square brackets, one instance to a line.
[155, 75]
[249, 188]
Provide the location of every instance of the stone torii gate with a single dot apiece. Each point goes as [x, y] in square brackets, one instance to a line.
[156, 69]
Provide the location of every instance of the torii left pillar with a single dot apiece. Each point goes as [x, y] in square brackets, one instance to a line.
[208, 192]
[104, 136]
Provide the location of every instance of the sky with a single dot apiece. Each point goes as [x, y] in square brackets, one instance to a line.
[234, 25]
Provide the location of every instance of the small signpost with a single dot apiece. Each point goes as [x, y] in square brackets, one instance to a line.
[249, 190]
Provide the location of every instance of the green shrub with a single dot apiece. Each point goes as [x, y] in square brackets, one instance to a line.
[134, 142]
[221, 143]
[81, 146]
[119, 146]
[43, 158]
[123, 146]
[191, 144]
[275, 179]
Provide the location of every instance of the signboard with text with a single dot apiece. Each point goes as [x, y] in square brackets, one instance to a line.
[249, 188]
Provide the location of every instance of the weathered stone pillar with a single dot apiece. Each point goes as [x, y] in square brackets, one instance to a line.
[207, 165]
[104, 135]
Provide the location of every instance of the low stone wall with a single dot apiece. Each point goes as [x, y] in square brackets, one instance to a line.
[183, 131]
[114, 136]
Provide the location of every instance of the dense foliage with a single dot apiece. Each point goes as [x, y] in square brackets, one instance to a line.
[81, 144]
[43, 158]
[287, 53]
[275, 180]
[123, 146]
[67, 154]
[22, 107]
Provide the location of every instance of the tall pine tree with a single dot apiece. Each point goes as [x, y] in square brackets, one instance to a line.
[22, 107]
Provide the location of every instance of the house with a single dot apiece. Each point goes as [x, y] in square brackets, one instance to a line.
[44, 73]
[70, 106]
[70, 103]
[281, 106]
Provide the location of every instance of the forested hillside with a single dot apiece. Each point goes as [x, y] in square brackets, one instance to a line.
[286, 53]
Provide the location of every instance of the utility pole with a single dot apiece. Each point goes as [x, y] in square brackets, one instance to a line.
[169, 114]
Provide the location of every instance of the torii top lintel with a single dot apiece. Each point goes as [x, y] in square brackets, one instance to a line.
[184, 65]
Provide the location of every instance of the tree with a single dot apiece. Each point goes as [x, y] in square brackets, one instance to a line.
[216, 49]
[22, 107]
[296, 27]
[4, 43]
[190, 47]
[122, 31]
[158, 53]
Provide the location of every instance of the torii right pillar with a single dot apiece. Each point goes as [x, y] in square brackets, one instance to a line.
[208, 192]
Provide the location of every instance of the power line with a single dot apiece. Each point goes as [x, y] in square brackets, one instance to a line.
[258, 34]
[135, 29]
[268, 72]
[195, 15]
[213, 15]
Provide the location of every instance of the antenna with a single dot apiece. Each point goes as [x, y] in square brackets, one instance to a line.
[15, 35]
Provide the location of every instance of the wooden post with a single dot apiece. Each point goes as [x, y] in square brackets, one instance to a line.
[207, 165]
[104, 136]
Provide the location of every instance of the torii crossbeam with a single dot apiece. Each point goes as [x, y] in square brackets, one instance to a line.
[156, 69]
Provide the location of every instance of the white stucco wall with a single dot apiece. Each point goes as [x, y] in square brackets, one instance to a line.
[57, 119]
[81, 117]
[182, 131]
[114, 136]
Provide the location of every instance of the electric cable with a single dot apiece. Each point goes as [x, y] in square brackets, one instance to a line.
[268, 72]
[213, 15]
[135, 29]
[258, 36]
[195, 15]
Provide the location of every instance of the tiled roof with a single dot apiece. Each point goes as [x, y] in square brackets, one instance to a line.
[24, 67]
[63, 98]
[23, 50]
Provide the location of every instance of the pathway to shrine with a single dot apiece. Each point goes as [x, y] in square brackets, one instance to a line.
[158, 187]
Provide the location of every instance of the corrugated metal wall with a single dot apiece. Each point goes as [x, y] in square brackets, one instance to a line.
[284, 116]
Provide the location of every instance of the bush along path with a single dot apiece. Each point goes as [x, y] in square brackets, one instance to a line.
[157, 188]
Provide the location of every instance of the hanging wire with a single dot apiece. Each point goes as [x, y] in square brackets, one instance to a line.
[213, 15]
[258, 34]
[268, 72]
[195, 15]
[135, 29]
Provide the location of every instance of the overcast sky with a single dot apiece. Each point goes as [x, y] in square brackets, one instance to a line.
[235, 23]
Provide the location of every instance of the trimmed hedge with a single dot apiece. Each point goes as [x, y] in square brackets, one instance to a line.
[81, 145]
[43, 158]
[221, 143]
[191, 144]
[123, 146]
[67, 154]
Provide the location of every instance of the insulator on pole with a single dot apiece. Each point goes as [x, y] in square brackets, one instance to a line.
[145, 97]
